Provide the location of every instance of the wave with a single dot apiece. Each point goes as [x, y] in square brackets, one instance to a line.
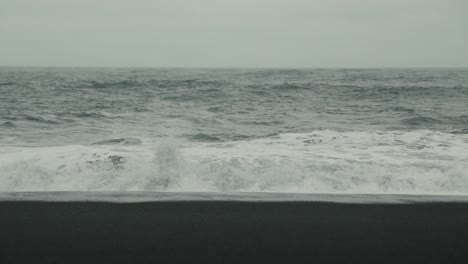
[88, 115]
[421, 121]
[41, 119]
[33, 121]
[459, 131]
[204, 137]
[113, 84]
[7, 124]
[201, 93]
[291, 86]
[401, 109]
[149, 83]
[215, 109]
[461, 119]
[7, 83]
[217, 137]
[120, 141]
[322, 161]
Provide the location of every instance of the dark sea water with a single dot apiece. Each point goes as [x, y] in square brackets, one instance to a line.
[228, 130]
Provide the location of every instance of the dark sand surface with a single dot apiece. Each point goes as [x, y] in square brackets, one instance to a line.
[232, 231]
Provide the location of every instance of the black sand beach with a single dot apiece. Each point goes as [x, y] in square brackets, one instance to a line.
[217, 231]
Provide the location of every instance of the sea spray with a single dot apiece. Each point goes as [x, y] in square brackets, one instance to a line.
[168, 167]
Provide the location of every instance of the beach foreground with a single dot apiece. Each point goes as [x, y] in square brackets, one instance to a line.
[144, 228]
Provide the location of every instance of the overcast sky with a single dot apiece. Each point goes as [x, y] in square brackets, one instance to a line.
[234, 33]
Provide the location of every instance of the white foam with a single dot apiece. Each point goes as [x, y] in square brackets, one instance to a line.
[322, 161]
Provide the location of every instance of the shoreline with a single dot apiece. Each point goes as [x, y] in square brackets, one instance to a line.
[153, 196]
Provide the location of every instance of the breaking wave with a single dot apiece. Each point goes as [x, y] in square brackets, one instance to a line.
[322, 161]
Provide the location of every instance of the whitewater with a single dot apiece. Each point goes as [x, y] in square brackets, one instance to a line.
[353, 131]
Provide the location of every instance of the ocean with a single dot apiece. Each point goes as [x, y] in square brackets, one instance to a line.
[354, 131]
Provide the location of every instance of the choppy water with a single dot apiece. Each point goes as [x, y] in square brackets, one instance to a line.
[325, 131]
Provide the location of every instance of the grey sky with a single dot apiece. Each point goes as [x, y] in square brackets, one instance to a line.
[235, 33]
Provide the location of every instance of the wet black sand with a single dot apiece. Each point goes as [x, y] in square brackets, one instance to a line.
[232, 231]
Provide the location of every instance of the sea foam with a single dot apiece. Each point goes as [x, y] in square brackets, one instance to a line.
[321, 161]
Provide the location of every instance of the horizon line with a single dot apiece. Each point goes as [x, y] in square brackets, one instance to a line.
[236, 67]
